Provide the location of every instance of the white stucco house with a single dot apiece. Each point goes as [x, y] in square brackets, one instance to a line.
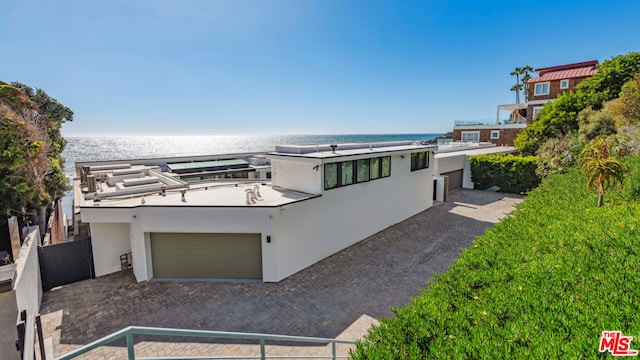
[318, 200]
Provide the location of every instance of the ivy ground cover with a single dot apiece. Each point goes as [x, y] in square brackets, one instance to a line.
[544, 283]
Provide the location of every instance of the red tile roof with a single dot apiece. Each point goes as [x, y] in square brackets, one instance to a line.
[569, 71]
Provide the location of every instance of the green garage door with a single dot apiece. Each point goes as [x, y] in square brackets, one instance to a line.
[215, 256]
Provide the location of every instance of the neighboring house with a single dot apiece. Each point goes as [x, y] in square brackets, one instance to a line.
[500, 134]
[320, 200]
[553, 81]
[550, 83]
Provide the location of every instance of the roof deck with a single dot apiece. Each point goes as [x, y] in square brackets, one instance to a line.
[213, 195]
[338, 150]
[208, 165]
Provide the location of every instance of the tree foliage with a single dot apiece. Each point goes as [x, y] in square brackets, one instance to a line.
[603, 170]
[594, 123]
[31, 145]
[559, 118]
[521, 82]
[626, 109]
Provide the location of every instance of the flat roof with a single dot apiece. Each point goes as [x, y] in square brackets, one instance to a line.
[326, 151]
[206, 164]
[471, 151]
[230, 195]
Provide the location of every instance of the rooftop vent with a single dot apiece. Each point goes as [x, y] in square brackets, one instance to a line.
[251, 196]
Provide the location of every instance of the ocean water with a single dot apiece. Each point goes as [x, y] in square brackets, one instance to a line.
[81, 149]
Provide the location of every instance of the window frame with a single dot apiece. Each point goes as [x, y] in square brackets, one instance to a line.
[475, 133]
[497, 132]
[374, 175]
[420, 160]
[337, 180]
[535, 111]
[383, 161]
[535, 88]
[342, 172]
[382, 166]
[366, 162]
[564, 87]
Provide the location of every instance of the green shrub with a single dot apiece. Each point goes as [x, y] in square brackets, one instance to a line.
[632, 179]
[557, 156]
[512, 174]
[542, 284]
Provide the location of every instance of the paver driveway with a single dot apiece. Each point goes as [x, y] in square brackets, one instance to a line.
[347, 289]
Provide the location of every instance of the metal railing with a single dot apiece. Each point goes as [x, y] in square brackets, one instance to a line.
[130, 331]
[473, 122]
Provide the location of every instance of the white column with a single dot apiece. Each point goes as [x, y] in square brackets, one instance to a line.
[138, 249]
[270, 249]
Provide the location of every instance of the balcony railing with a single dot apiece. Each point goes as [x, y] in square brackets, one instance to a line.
[128, 333]
[474, 122]
[488, 122]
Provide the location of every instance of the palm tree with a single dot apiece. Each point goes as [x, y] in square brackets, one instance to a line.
[601, 167]
[524, 72]
[525, 77]
[517, 88]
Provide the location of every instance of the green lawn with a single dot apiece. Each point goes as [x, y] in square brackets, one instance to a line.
[544, 283]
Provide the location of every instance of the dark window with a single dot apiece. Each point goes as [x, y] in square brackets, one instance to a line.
[347, 173]
[386, 166]
[362, 174]
[374, 166]
[330, 175]
[419, 160]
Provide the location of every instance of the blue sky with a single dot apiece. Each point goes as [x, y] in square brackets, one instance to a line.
[292, 66]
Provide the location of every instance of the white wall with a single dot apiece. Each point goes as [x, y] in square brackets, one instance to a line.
[312, 230]
[466, 174]
[450, 163]
[302, 233]
[201, 220]
[27, 284]
[108, 242]
[297, 174]
[440, 190]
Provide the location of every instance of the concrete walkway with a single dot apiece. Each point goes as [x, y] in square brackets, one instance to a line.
[339, 297]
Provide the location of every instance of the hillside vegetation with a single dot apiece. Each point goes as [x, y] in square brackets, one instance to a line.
[544, 283]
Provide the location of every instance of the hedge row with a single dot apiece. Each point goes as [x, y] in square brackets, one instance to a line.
[511, 173]
[542, 284]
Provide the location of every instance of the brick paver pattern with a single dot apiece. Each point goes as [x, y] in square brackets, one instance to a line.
[338, 297]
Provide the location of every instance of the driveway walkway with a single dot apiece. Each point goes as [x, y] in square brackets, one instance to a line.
[339, 297]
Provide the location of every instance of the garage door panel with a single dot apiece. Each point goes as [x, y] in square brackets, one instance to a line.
[221, 256]
[455, 179]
